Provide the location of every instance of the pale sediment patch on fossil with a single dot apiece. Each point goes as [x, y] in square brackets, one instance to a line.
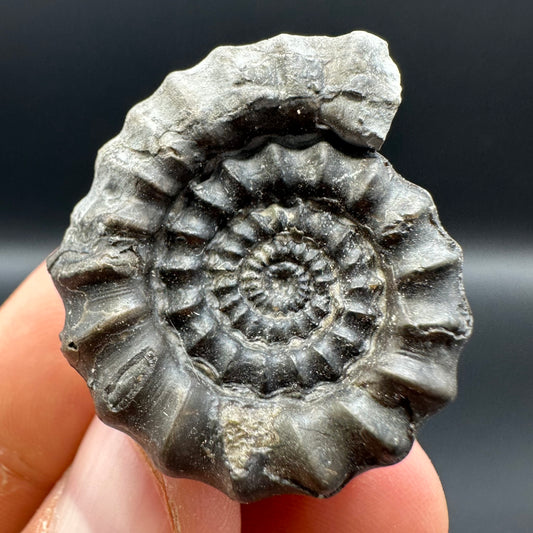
[247, 431]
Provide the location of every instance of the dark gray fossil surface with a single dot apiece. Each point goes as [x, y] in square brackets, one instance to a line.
[251, 291]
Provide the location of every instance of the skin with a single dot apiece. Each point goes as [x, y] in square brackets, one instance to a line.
[61, 469]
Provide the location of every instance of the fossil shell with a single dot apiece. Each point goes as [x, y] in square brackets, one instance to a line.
[251, 291]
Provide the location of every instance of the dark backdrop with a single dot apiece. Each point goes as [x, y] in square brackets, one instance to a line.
[71, 69]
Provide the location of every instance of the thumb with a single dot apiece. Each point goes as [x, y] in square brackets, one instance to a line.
[112, 487]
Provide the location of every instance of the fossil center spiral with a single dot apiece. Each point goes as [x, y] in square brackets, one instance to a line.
[282, 287]
[284, 284]
[288, 286]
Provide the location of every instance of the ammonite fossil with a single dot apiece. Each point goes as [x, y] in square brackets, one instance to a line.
[252, 292]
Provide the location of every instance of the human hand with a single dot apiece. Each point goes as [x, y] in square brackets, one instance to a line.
[61, 469]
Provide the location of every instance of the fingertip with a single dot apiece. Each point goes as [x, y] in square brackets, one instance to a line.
[404, 498]
[407, 496]
[36, 286]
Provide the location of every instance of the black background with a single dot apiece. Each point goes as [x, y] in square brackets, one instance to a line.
[71, 69]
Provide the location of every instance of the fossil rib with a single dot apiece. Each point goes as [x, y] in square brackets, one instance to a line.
[252, 292]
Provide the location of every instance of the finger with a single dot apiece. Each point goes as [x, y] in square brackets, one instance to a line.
[199, 508]
[112, 487]
[406, 497]
[108, 488]
[44, 405]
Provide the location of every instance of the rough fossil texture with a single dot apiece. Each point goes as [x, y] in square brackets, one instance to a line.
[251, 291]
